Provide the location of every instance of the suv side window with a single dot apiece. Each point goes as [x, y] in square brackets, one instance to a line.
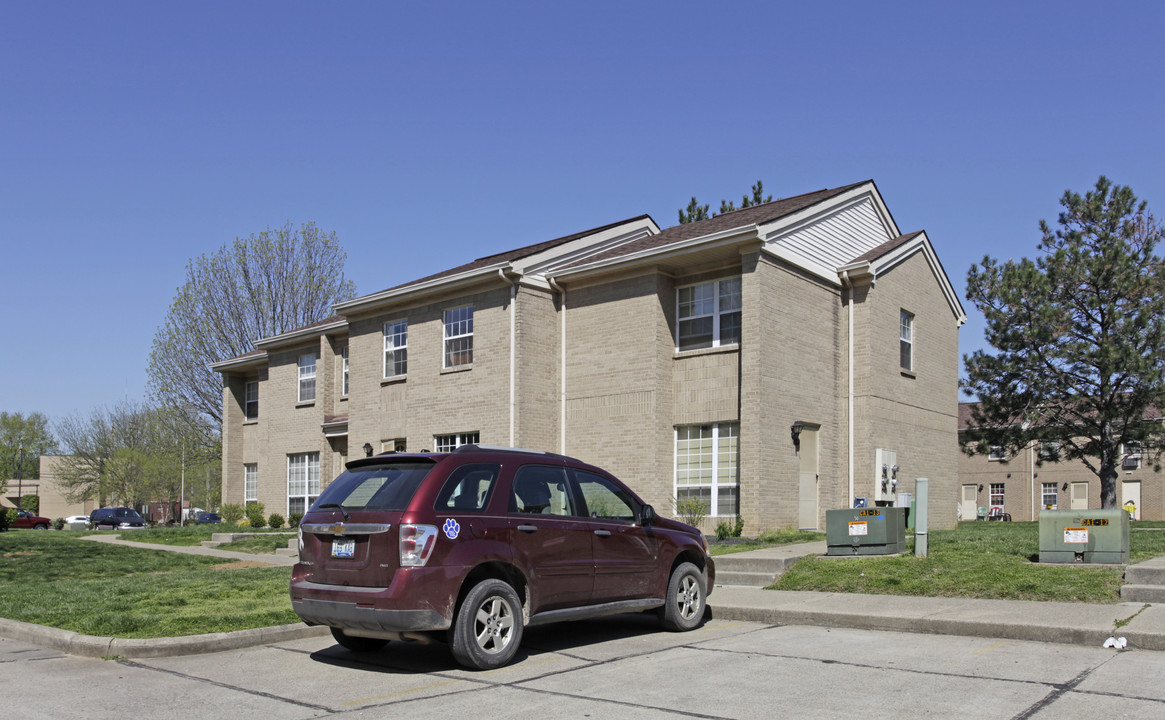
[541, 490]
[604, 498]
[468, 488]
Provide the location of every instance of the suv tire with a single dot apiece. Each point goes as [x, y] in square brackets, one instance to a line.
[357, 644]
[684, 608]
[488, 627]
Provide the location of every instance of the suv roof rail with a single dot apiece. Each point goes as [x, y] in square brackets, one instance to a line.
[474, 447]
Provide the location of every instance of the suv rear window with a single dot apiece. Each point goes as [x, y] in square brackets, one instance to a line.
[376, 487]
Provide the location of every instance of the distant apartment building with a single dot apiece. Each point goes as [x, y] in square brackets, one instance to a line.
[1036, 478]
[772, 362]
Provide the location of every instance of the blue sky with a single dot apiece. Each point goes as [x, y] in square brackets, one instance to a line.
[134, 136]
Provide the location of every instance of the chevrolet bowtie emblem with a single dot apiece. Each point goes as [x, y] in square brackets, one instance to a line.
[338, 529]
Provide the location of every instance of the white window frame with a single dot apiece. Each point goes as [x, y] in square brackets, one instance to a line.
[344, 371]
[247, 400]
[722, 471]
[996, 453]
[449, 443]
[396, 348]
[997, 490]
[1051, 490]
[307, 378]
[458, 334]
[1050, 450]
[250, 483]
[725, 300]
[1131, 455]
[906, 340]
[303, 479]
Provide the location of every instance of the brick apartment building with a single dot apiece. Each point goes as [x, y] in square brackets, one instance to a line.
[775, 362]
[1035, 478]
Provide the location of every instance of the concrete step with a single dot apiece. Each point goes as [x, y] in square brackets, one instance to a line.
[1144, 575]
[1143, 593]
[747, 562]
[747, 579]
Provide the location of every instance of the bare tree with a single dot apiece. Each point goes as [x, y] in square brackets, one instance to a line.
[260, 286]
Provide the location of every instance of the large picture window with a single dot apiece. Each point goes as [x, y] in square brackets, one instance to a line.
[307, 378]
[459, 336]
[707, 466]
[396, 348]
[303, 481]
[708, 314]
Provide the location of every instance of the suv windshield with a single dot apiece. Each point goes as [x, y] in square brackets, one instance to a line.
[376, 487]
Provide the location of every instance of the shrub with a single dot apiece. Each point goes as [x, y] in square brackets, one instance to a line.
[59, 524]
[7, 517]
[243, 523]
[275, 520]
[31, 503]
[232, 513]
[255, 515]
[738, 528]
[691, 510]
[293, 519]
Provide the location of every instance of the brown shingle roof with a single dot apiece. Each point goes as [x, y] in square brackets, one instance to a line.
[875, 253]
[755, 215]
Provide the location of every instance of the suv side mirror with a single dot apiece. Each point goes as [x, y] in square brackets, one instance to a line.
[647, 515]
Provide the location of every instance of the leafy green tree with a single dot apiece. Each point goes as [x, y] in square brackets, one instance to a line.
[695, 211]
[262, 285]
[1078, 337]
[23, 439]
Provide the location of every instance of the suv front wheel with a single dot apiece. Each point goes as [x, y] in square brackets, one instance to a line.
[686, 591]
[488, 628]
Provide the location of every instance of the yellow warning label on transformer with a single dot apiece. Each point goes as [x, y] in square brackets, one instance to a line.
[1076, 535]
[858, 528]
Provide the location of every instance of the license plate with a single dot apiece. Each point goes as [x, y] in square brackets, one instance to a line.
[343, 547]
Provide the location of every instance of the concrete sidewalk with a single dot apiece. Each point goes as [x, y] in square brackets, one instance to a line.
[1141, 624]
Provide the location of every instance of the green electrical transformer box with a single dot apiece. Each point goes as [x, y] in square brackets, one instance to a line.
[865, 531]
[1084, 536]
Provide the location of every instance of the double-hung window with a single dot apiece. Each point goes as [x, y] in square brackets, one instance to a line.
[307, 378]
[459, 336]
[997, 495]
[303, 481]
[906, 340]
[250, 483]
[708, 314]
[1050, 496]
[707, 466]
[396, 348]
[344, 378]
[251, 405]
[449, 443]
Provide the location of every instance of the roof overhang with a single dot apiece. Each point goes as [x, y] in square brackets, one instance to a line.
[410, 293]
[919, 243]
[298, 336]
[336, 428]
[242, 362]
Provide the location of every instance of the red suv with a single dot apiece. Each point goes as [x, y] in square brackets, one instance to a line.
[474, 545]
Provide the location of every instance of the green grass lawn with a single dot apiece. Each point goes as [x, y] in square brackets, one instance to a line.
[978, 560]
[767, 539]
[190, 534]
[61, 580]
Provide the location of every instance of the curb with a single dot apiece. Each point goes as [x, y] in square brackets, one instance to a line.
[93, 646]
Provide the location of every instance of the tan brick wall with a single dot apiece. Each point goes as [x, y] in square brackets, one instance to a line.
[538, 370]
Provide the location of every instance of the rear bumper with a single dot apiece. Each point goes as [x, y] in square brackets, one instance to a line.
[417, 600]
[350, 616]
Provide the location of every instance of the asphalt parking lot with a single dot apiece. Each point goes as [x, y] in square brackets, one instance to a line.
[622, 667]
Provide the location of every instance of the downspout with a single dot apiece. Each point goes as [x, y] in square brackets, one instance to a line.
[1031, 459]
[845, 281]
[562, 367]
[513, 350]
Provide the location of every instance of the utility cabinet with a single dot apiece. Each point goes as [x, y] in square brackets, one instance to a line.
[865, 531]
[1084, 536]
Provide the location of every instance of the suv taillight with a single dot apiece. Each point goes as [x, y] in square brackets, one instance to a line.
[416, 544]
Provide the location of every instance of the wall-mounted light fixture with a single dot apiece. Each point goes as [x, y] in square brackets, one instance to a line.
[367, 449]
[1065, 486]
[980, 487]
[795, 433]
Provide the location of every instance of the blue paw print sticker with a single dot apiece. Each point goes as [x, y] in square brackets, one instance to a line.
[451, 529]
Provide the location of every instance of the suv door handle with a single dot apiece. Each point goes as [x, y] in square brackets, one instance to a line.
[603, 533]
[528, 528]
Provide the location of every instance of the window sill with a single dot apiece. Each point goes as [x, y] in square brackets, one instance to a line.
[305, 403]
[909, 374]
[723, 349]
[459, 368]
[254, 421]
[343, 398]
[393, 380]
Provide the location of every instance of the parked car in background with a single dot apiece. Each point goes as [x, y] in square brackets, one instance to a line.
[116, 518]
[472, 546]
[208, 518]
[77, 519]
[25, 519]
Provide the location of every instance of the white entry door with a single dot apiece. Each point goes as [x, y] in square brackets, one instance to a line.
[807, 490]
[1132, 491]
[1079, 496]
[967, 508]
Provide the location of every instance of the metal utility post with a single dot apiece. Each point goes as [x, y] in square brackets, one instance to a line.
[921, 497]
[20, 477]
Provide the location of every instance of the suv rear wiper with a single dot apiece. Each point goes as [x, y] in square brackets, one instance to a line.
[338, 506]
